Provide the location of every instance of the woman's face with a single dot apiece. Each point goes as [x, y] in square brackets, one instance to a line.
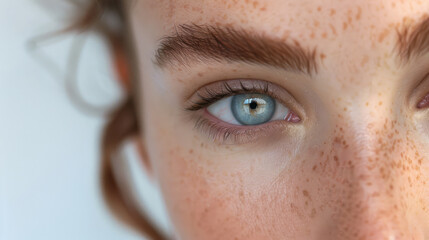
[287, 119]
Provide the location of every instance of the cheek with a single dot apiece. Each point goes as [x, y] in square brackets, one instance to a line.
[217, 204]
[213, 195]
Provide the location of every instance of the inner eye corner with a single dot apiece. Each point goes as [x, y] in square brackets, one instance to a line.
[293, 117]
[423, 103]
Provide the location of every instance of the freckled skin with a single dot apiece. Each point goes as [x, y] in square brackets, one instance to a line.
[357, 169]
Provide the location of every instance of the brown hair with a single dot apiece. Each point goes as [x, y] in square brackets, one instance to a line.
[122, 122]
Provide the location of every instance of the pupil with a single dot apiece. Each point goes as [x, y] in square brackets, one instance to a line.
[253, 105]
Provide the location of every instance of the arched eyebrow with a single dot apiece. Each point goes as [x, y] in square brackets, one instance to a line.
[413, 41]
[192, 42]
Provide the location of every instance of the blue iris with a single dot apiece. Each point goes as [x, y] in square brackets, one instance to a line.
[252, 109]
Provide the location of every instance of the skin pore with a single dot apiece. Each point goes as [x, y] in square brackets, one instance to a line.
[354, 167]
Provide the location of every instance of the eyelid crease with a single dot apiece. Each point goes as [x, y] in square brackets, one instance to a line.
[208, 96]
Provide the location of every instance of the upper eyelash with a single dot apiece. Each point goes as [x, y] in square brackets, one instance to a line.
[227, 91]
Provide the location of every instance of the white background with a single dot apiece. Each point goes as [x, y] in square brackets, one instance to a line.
[48, 145]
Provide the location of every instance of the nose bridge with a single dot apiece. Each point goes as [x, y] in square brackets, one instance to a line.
[375, 155]
[375, 201]
[374, 148]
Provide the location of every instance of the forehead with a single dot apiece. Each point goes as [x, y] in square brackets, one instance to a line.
[305, 18]
[350, 36]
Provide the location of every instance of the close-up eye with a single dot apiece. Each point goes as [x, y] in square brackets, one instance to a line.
[243, 109]
[250, 109]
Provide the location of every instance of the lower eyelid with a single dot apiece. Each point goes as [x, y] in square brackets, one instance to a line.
[226, 133]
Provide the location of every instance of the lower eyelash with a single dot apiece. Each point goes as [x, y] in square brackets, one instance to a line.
[234, 134]
[207, 127]
[216, 132]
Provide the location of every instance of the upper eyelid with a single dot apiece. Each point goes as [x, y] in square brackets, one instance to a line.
[207, 94]
[223, 88]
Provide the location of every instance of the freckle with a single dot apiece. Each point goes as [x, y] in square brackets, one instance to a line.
[312, 36]
[313, 213]
[359, 13]
[324, 35]
[380, 103]
[191, 151]
[367, 104]
[344, 25]
[263, 9]
[336, 160]
[332, 12]
[322, 56]
[319, 8]
[376, 194]
[383, 35]
[364, 61]
[345, 109]
[314, 167]
[316, 23]
[255, 4]
[333, 29]
[306, 194]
